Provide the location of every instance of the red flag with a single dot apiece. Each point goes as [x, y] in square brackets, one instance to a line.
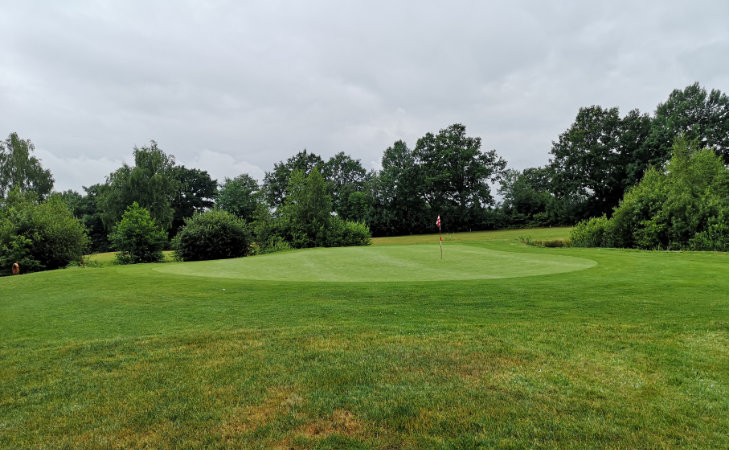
[438, 221]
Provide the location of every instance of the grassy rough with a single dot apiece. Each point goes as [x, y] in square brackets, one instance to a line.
[632, 352]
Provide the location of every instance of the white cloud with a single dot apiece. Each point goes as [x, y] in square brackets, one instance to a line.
[76, 171]
[222, 165]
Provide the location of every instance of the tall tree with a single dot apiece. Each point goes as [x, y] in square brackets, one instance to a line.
[276, 183]
[682, 206]
[345, 177]
[151, 183]
[85, 208]
[306, 212]
[635, 153]
[588, 161]
[195, 192]
[457, 174]
[240, 196]
[696, 115]
[18, 169]
[526, 200]
[599, 157]
[90, 213]
[398, 204]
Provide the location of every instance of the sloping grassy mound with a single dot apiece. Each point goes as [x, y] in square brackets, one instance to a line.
[417, 262]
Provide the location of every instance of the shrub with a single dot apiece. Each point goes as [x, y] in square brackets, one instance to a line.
[356, 233]
[589, 233]
[273, 244]
[341, 233]
[715, 237]
[306, 219]
[683, 207]
[39, 236]
[213, 234]
[137, 237]
[554, 243]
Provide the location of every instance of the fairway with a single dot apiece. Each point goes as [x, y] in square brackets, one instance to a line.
[418, 262]
[500, 345]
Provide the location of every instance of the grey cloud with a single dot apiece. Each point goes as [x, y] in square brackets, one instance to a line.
[232, 86]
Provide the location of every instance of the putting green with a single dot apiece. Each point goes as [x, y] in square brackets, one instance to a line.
[384, 263]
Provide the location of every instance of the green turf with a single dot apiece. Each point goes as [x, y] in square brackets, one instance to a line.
[415, 262]
[109, 258]
[631, 352]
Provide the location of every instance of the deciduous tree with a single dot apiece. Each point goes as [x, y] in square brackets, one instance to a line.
[307, 209]
[276, 182]
[194, 192]
[240, 196]
[345, 176]
[19, 169]
[695, 114]
[151, 183]
[457, 174]
[397, 194]
[137, 237]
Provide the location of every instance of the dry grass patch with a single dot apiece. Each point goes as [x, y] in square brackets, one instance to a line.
[340, 421]
[245, 419]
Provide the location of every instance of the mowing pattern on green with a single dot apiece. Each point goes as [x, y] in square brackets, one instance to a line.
[384, 264]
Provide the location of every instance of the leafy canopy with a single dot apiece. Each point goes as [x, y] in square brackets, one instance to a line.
[684, 207]
[215, 234]
[39, 235]
[150, 183]
[137, 237]
[18, 169]
[240, 196]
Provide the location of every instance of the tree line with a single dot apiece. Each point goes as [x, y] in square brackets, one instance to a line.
[307, 200]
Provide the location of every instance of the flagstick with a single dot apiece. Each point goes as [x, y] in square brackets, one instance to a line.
[441, 247]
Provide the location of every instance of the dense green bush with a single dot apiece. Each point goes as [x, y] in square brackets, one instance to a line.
[213, 234]
[341, 233]
[306, 212]
[38, 236]
[589, 233]
[686, 207]
[307, 221]
[137, 237]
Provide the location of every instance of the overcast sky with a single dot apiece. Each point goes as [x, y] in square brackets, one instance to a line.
[235, 86]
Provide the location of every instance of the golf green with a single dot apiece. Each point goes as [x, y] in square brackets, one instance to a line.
[419, 262]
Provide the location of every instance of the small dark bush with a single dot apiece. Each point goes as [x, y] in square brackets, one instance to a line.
[527, 240]
[555, 243]
[213, 234]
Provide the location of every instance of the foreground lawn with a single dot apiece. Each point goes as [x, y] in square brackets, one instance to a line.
[626, 349]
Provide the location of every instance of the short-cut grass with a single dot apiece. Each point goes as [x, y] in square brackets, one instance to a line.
[629, 352]
[109, 258]
[384, 263]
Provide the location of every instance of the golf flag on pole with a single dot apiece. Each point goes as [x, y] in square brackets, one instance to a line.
[441, 246]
